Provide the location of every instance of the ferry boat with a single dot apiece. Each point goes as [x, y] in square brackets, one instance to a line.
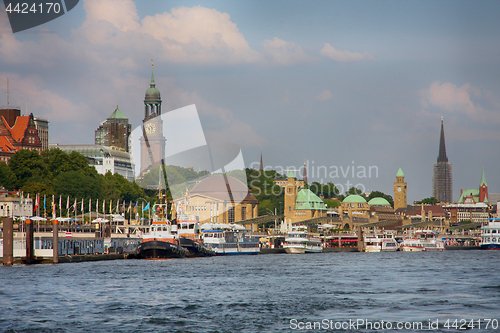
[380, 242]
[490, 234]
[423, 240]
[229, 239]
[300, 241]
[190, 237]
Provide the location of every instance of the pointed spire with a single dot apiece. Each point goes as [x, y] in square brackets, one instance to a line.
[153, 84]
[483, 180]
[261, 163]
[305, 174]
[442, 146]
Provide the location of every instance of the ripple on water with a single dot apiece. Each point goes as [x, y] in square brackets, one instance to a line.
[246, 294]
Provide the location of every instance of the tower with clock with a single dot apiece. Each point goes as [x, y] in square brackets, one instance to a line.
[400, 190]
[152, 139]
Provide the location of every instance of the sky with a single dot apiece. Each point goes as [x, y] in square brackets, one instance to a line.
[339, 84]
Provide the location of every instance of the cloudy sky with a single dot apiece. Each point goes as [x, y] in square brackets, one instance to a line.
[340, 84]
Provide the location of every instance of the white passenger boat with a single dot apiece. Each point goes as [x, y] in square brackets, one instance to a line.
[380, 242]
[229, 239]
[300, 241]
[423, 240]
[490, 234]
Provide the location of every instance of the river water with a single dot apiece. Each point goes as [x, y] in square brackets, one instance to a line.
[328, 292]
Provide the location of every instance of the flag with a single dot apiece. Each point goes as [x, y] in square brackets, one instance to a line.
[117, 206]
[36, 203]
[97, 207]
[123, 206]
[21, 199]
[67, 203]
[60, 205]
[90, 204]
[104, 206]
[53, 206]
[44, 201]
[146, 208]
[82, 204]
[135, 208]
[129, 206]
[74, 205]
[110, 205]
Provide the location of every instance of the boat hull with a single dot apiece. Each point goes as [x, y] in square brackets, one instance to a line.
[412, 248]
[195, 248]
[160, 250]
[295, 250]
[490, 247]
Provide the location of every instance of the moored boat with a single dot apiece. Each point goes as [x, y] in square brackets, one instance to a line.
[161, 242]
[490, 234]
[380, 242]
[423, 240]
[300, 241]
[190, 237]
[229, 239]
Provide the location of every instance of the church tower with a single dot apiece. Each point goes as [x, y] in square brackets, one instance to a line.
[442, 182]
[483, 189]
[400, 191]
[152, 140]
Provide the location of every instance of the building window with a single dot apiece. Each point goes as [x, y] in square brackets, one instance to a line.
[243, 213]
[230, 215]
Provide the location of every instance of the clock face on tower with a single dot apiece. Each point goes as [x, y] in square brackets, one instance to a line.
[399, 189]
[150, 128]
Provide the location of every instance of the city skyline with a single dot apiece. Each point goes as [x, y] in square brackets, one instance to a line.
[338, 84]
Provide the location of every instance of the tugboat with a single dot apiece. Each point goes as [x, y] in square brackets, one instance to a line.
[162, 240]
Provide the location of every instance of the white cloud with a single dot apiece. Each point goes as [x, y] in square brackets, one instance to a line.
[325, 95]
[344, 56]
[121, 14]
[199, 34]
[474, 102]
[283, 53]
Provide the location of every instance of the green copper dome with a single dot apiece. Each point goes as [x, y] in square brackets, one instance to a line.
[400, 173]
[379, 202]
[306, 199]
[117, 114]
[291, 174]
[354, 198]
[152, 94]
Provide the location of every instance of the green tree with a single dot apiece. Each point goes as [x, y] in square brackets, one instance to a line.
[354, 190]
[34, 188]
[27, 165]
[77, 185]
[7, 177]
[428, 201]
[331, 203]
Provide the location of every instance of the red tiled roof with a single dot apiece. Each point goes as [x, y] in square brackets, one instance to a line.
[5, 145]
[19, 127]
